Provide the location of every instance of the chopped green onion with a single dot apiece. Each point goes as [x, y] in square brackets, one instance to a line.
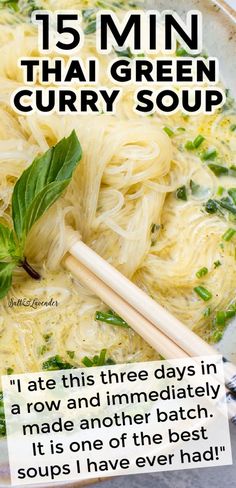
[233, 127]
[97, 360]
[87, 13]
[181, 193]
[232, 194]
[180, 51]
[218, 170]
[224, 203]
[87, 362]
[201, 272]
[10, 371]
[209, 154]
[203, 293]
[198, 141]
[211, 206]
[110, 318]
[220, 318]
[220, 191]
[91, 27]
[207, 312]
[55, 363]
[181, 129]
[126, 53]
[189, 145]
[217, 336]
[228, 234]
[217, 264]
[169, 131]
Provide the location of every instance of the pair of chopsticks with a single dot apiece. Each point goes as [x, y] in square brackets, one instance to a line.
[164, 332]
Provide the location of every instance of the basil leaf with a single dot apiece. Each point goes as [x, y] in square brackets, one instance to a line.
[7, 244]
[42, 183]
[5, 278]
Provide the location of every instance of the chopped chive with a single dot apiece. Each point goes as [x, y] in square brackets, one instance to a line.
[10, 371]
[217, 264]
[232, 194]
[169, 131]
[180, 51]
[181, 193]
[110, 318]
[207, 312]
[227, 236]
[198, 141]
[218, 170]
[87, 13]
[216, 336]
[209, 154]
[91, 27]
[126, 53]
[220, 318]
[233, 127]
[211, 206]
[189, 146]
[87, 362]
[102, 357]
[181, 129]
[203, 293]
[97, 360]
[220, 191]
[201, 272]
[224, 203]
[229, 314]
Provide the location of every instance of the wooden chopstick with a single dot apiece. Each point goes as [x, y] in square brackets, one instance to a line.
[140, 324]
[184, 338]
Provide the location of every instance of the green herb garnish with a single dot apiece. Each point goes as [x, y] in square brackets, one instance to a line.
[217, 264]
[125, 53]
[189, 146]
[227, 236]
[10, 371]
[207, 312]
[198, 141]
[55, 363]
[11, 4]
[91, 27]
[36, 190]
[2, 417]
[201, 272]
[211, 206]
[209, 154]
[232, 194]
[111, 317]
[181, 193]
[97, 360]
[168, 131]
[233, 127]
[217, 169]
[203, 293]
[220, 191]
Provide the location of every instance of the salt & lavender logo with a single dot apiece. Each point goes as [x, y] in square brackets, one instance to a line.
[32, 303]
